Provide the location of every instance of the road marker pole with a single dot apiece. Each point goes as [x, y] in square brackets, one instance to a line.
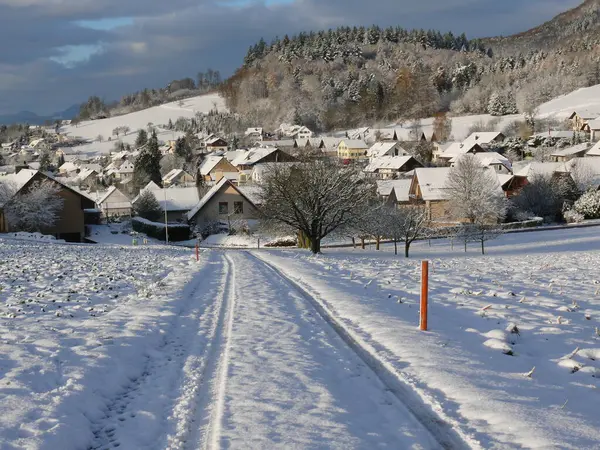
[424, 295]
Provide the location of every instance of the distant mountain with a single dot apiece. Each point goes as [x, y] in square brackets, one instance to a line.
[35, 119]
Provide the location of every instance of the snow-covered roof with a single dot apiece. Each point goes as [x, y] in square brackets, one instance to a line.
[354, 143]
[253, 156]
[488, 159]
[595, 150]
[400, 187]
[587, 113]
[212, 140]
[173, 174]
[251, 192]
[387, 162]
[357, 133]
[178, 198]
[558, 134]
[591, 166]
[571, 151]
[106, 195]
[504, 179]
[459, 148]
[432, 181]
[209, 164]
[594, 124]
[68, 167]
[383, 148]
[20, 179]
[279, 143]
[529, 169]
[331, 142]
[482, 138]
[250, 131]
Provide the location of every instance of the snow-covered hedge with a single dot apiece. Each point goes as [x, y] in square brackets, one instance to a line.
[177, 232]
[589, 205]
[572, 216]
[535, 222]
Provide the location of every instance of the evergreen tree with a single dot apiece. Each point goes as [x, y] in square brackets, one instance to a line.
[61, 160]
[146, 206]
[141, 139]
[45, 162]
[147, 164]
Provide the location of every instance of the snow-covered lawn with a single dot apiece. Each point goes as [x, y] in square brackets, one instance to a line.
[76, 325]
[533, 302]
[586, 99]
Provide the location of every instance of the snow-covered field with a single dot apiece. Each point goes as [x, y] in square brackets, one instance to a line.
[106, 346]
[77, 325]
[157, 115]
[584, 99]
[533, 302]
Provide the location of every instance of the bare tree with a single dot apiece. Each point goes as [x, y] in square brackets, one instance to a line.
[315, 198]
[407, 224]
[35, 209]
[582, 174]
[475, 196]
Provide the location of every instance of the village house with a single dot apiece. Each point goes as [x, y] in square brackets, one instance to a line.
[249, 158]
[178, 177]
[216, 144]
[70, 225]
[114, 203]
[485, 139]
[359, 134]
[580, 118]
[177, 201]
[215, 167]
[394, 192]
[254, 133]
[496, 161]
[594, 151]
[380, 149]
[390, 167]
[352, 149]
[457, 149]
[568, 153]
[224, 203]
[427, 187]
[294, 131]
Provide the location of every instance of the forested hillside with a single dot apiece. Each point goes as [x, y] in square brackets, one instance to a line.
[351, 76]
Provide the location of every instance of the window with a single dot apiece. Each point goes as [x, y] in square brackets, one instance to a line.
[238, 207]
[223, 208]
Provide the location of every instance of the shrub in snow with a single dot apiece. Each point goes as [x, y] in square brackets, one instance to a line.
[177, 232]
[572, 216]
[36, 209]
[588, 205]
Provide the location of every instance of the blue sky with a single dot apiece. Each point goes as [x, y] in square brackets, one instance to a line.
[63, 51]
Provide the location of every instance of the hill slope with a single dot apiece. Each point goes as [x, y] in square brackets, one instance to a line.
[351, 76]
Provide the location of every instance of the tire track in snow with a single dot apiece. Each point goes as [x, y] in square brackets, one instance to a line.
[442, 431]
[203, 400]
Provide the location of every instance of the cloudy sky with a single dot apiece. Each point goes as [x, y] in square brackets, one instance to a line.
[56, 53]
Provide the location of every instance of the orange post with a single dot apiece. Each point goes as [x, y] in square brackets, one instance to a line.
[424, 294]
[197, 253]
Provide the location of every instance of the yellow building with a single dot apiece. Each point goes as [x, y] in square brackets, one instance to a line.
[352, 149]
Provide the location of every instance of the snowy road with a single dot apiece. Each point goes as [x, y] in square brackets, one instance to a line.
[250, 363]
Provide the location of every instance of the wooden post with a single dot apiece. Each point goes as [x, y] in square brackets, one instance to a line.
[258, 244]
[197, 252]
[424, 294]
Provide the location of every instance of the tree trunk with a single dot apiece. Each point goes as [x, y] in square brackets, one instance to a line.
[353, 242]
[395, 246]
[406, 248]
[315, 246]
[465, 246]
[362, 243]
[482, 247]
[377, 242]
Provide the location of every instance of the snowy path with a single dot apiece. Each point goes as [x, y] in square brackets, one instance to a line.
[293, 382]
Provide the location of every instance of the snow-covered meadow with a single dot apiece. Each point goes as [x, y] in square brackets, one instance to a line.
[157, 115]
[76, 323]
[512, 357]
